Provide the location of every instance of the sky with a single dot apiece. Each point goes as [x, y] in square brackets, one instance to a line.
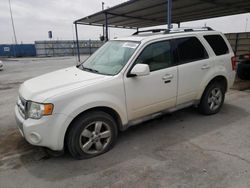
[34, 18]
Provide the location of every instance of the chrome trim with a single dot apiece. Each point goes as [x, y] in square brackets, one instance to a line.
[22, 106]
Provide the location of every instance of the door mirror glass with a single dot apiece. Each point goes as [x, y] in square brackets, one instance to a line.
[140, 70]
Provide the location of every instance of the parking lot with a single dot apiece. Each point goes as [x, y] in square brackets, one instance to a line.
[183, 149]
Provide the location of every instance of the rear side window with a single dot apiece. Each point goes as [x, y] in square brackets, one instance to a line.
[189, 49]
[217, 43]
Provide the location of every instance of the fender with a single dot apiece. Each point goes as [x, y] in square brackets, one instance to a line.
[214, 72]
[86, 102]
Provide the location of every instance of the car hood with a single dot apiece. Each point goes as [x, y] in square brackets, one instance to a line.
[40, 88]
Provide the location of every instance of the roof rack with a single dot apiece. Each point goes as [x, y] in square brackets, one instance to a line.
[150, 30]
[190, 29]
[176, 30]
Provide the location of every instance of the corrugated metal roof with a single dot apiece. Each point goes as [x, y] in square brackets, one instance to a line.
[147, 13]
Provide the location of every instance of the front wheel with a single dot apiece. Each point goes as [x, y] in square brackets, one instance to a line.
[91, 134]
[212, 99]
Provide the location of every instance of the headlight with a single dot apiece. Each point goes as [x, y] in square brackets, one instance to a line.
[37, 110]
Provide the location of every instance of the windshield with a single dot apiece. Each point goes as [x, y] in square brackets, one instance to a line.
[110, 58]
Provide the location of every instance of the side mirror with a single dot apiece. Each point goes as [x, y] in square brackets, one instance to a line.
[140, 70]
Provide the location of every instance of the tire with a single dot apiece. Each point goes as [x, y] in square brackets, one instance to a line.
[214, 93]
[92, 134]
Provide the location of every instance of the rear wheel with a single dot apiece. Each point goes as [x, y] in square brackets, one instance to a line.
[212, 98]
[91, 134]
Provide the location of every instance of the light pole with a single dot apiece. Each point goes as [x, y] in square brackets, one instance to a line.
[103, 5]
[12, 21]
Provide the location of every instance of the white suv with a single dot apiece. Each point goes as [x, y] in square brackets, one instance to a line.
[127, 81]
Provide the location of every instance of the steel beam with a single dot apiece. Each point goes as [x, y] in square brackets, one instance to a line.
[236, 44]
[77, 44]
[103, 28]
[169, 13]
[112, 26]
[106, 26]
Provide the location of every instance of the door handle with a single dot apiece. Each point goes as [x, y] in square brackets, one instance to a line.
[204, 67]
[168, 77]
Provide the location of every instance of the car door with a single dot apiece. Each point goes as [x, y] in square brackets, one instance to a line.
[193, 66]
[154, 92]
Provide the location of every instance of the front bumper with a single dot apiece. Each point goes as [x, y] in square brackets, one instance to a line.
[48, 131]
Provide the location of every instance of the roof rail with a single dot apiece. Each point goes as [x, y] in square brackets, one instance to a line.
[175, 30]
[150, 30]
[190, 29]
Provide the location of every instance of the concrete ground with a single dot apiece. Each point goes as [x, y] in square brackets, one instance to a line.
[182, 150]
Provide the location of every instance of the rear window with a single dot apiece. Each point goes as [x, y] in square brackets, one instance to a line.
[217, 43]
[189, 49]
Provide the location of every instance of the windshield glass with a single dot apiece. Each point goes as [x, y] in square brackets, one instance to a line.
[110, 58]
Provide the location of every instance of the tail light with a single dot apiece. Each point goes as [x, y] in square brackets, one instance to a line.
[234, 63]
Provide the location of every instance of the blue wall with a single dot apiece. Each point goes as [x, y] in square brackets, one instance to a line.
[19, 50]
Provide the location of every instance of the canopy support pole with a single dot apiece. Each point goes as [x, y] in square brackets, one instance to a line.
[106, 26]
[77, 43]
[169, 13]
[103, 29]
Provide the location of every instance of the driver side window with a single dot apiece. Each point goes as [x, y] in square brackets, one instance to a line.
[156, 55]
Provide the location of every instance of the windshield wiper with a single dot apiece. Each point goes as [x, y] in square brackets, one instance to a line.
[89, 69]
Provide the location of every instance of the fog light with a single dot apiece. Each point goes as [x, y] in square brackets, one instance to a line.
[35, 138]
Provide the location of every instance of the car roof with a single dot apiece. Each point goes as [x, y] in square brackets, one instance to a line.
[155, 36]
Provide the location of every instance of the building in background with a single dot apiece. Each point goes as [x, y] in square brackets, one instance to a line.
[240, 42]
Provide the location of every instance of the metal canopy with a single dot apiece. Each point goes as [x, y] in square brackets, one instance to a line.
[146, 13]
[136, 14]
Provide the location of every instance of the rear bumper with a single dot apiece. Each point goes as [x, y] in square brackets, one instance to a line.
[46, 132]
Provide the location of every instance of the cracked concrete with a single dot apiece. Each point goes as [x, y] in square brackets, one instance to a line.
[181, 150]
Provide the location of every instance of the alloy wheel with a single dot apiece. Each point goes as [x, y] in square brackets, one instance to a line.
[215, 99]
[95, 137]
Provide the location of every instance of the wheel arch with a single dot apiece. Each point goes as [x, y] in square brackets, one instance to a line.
[219, 78]
[105, 109]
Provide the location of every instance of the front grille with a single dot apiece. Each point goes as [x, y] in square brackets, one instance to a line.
[22, 106]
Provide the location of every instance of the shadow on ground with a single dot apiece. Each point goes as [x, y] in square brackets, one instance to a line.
[147, 139]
